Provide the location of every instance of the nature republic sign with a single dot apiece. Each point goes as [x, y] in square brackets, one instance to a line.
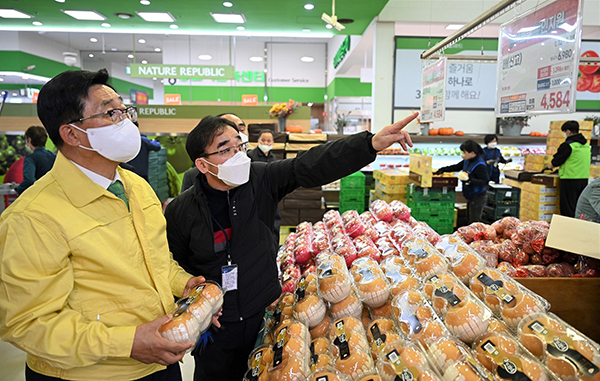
[182, 71]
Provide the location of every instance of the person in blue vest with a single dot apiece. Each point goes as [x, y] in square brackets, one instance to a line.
[493, 156]
[39, 161]
[474, 175]
[574, 159]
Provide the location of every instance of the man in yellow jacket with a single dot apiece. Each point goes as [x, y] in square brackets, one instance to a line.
[86, 273]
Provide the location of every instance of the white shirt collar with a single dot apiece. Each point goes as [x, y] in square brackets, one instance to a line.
[98, 179]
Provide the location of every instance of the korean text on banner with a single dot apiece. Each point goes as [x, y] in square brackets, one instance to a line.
[433, 91]
[538, 55]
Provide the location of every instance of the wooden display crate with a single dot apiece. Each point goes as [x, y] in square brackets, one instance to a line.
[575, 300]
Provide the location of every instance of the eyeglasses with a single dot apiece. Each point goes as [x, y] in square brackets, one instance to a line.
[230, 151]
[116, 114]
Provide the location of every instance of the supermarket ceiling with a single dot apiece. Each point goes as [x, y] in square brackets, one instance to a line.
[262, 17]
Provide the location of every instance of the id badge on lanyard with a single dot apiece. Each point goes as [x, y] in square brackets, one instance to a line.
[229, 273]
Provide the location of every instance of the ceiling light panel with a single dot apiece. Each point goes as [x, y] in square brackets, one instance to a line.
[256, 59]
[84, 15]
[204, 57]
[307, 59]
[13, 14]
[228, 4]
[309, 7]
[232, 18]
[156, 16]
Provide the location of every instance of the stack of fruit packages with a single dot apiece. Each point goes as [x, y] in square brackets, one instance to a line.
[384, 297]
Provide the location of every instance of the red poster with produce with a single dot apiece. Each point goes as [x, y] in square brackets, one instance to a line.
[538, 56]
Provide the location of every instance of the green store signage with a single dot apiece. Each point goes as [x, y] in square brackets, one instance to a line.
[341, 53]
[181, 71]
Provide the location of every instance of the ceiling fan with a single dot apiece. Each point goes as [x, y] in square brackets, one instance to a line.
[332, 20]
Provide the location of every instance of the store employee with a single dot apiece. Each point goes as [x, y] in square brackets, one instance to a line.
[221, 227]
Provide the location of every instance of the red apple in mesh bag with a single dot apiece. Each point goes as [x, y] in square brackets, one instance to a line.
[355, 227]
[400, 210]
[382, 211]
[289, 285]
[302, 253]
[368, 217]
[348, 252]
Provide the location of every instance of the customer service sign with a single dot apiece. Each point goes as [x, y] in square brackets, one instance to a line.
[181, 71]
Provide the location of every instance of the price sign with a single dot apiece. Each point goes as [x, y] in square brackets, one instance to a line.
[433, 91]
[538, 55]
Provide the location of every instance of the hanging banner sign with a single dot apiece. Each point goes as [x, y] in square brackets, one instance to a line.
[181, 71]
[433, 92]
[538, 56]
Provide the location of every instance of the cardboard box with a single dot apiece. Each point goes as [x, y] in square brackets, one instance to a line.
[539, 189]
[549, 180]
[528, 214]
[513, 183]
[311, 215]
[421, 170]
[575, 236]
[541, 207]
[306, 194]
[595, 171]
[387, 197]
[397, 176]
[554, 142]
[538, 198]
[533, 167]
[585, 125]
[305, 138]
[292, 203]
[391, 189]
[289, 217]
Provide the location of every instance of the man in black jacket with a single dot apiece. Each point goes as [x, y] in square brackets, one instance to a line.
[263, 151]
[221, 227]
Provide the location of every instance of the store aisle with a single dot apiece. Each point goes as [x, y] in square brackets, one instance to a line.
[12, 364]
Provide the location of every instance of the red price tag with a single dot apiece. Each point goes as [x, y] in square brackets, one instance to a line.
[556, 100]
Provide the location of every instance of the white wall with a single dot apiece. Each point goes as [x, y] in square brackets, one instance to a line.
[35, 43]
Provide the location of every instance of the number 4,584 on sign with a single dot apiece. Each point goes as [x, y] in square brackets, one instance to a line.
[555, 100]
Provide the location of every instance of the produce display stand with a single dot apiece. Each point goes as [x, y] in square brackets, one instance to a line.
[576, 300]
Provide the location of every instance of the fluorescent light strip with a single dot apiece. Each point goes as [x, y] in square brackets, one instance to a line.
[172, 32]
[9, 13]
[230, 18]
[84, 15]
[156, 16]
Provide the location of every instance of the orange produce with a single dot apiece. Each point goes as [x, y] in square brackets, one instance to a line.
[446, 131]
[433, 131]
[293, 128]
[459, 133]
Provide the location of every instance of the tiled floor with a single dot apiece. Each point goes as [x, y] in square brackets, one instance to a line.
[12, 364]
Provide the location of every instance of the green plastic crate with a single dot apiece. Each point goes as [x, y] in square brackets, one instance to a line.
[431, 214]
[359, 206]
[352, 194]
[500, 196]
[419, 194]
[494, 213]
[355, 180]
[443, 228]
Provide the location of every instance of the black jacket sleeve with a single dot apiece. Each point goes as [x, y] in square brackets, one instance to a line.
[189, 177]
[502, 160]
[452, 168]
[479, 176]
[562, 154]
[321, 164]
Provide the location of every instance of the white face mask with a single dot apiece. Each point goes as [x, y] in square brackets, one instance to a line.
[492, 145]
[117, 142]
[265, 148]
[244, 137]
[235, 171]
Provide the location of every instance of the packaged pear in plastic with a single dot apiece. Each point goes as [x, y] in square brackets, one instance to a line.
[465, 316]
[503, 357]
[370, 281]
[455, 361]
[291, 353]
[405, 361]
[505, 297]
[400, 276]
[258, 362]
[309, 308]
[565, 351]
[193, 314]
[333, 279]
[351, 349]
[464, 261]
[424, 257]
[328, 374]
[380, 332]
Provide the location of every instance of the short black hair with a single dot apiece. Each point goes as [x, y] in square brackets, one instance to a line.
[38, 136]
[571, 125]
[489, 138]
[265, 132]
[63, 98]
[472, 146]
[204, 134]
[230, 113]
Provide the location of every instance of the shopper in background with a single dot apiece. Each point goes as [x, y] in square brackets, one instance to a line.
[189, 177]
[39, 161]
[263, 151]
[474, 176]
[86, 274]
[574, 159]
[225, 222]
[588, 205]
[140, 162]
[493, 156]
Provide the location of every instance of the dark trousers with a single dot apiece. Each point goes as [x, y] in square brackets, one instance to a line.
[171, 373]
[570, 190]
[226, 358]
[475, 207]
